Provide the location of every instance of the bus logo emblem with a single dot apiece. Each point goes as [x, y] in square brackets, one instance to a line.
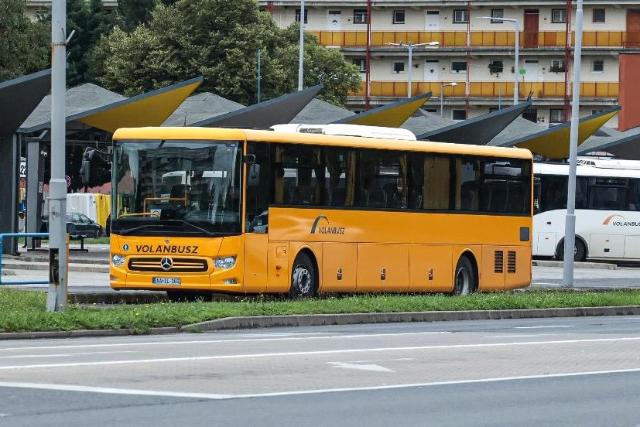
[166, 263]
[325, 229]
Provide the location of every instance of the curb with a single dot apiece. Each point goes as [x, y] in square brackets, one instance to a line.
[596, 265]
[252, 322]
[430, 316]
[85, 333]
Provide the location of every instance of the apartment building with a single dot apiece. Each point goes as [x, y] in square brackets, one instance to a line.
[34, 7]
[469, 57]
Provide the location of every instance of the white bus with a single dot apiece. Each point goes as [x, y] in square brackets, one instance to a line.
[607, 209]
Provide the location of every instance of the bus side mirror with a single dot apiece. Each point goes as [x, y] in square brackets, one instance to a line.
[253, 178]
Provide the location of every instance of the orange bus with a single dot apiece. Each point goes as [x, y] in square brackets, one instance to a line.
[248, 211]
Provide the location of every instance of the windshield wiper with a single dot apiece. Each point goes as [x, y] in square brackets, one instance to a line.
[165, 225]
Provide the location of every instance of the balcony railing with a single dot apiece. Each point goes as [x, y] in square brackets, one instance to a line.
[478, 38]
[491, 89]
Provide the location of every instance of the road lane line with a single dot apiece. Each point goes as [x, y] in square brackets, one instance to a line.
[372, 367]
[45, 355]
[543, 327]
[108, 390]
[215, 396]
[314, 353]
[218, 341]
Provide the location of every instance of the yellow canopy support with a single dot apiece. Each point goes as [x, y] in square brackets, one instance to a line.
[553, 143]
[390, 115]
[148, 109]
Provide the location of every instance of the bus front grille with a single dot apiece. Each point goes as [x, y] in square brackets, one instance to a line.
[498, 262]
[511, 262]
[168, 265]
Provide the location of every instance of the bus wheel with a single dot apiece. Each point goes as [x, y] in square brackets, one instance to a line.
[579, 250]
[464, 278]
[304, 280]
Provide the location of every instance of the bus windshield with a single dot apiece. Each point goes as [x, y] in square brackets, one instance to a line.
[177, 187]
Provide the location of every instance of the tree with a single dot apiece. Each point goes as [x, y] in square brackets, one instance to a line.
[24, 44]
[132, 13]
[219, 42]
[90, 20]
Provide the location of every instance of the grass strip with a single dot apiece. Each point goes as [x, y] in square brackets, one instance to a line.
[25, 310]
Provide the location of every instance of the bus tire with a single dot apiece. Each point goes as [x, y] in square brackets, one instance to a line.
[465, 277]
[579, 251]
[304, 277]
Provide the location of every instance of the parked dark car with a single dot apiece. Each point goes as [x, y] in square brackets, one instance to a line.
[77, 225]
[81, 225]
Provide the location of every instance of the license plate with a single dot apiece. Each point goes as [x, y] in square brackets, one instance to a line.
[165, 281]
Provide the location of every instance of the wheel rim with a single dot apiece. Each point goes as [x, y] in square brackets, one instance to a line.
[302, 279]
[463, 281]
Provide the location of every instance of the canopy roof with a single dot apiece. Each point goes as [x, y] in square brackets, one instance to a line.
[321, 112]
[390, 115]
[477, 130]
[97, 107]
[553, 143]
[625, 145]
[200, 107]
[265, 114]
[18, 98]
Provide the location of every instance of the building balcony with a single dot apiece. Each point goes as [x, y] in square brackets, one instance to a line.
[398, 89]
[479, 39]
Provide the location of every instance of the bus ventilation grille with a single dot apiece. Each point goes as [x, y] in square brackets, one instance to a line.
[177, 265]
[511, 262]
[498, 262]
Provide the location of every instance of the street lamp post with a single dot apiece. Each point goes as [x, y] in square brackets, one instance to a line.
[301, 49]
[516, 65]
[410, 46]
[570, 219]
[442, 86]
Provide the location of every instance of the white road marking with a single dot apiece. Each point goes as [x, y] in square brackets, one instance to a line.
[45, 355]
[360, 366]
[543, 327]
[524, 335]
[316, 353]
[219, 341]
[213, 396]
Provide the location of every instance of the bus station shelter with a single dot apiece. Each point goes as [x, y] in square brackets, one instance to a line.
[18, 98]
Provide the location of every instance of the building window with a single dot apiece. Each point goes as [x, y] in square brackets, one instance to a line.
[430, 110]
[398, 67]
[497, 13]
[459, 114]
[306, 15]
[458, 66]
[596, 111]
[598, 66]
[557, 66]
[361, 63]
[360, 16]
[460, 16]
[598, 15]
[398, 16]
[556, 115]
[496, 67]
[530, 114]
[558, 16]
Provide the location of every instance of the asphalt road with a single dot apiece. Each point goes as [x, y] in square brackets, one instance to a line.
[570, 371]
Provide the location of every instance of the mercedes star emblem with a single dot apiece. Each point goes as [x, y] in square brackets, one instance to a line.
[166, 263]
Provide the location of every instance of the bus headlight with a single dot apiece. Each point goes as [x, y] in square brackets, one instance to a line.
[117, 260]
[225, 262]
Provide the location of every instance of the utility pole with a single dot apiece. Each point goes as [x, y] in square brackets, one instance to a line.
[570, 221]
[258, 77]
[301, 53]
[57, 295]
